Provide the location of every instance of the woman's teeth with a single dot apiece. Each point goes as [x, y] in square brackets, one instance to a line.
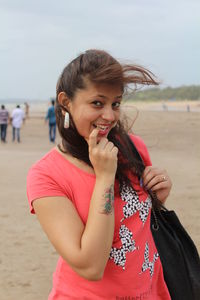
[101, 127]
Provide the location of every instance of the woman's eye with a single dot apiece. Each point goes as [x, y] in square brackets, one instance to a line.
[97, 103]
[116, 104]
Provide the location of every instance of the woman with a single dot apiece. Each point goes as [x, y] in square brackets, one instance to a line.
[91, 192]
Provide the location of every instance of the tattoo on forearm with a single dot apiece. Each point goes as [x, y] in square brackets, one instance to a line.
[109, 200]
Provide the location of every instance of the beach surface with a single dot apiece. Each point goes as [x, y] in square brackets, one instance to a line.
[27, 259]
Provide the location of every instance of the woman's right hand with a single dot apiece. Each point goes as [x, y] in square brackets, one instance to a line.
[103, 155]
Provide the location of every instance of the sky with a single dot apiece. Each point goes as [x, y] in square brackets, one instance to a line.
[38, 38]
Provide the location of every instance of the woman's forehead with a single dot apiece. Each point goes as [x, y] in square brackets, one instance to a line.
[103, 87]
[103, 91]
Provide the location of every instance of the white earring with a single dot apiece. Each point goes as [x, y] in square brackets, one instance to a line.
[66, 120]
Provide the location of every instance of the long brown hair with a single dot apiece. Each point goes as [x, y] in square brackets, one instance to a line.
[100, 67]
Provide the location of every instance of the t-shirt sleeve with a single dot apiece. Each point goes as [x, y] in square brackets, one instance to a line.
[142, 149]
[41, 184]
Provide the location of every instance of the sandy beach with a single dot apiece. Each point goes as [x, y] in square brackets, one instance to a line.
[27, 259]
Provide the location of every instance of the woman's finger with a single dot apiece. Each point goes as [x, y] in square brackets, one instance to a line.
[102, 143]
[159, 186]
[159, 180]
[146, 171]
[114, 150]
[151, 173]
[109, 146]
[92, 141]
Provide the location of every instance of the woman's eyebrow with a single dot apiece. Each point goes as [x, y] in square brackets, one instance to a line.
[104, 97]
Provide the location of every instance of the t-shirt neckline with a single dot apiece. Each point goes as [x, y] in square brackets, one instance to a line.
[56, 151]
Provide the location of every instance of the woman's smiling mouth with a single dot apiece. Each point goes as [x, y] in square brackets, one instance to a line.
[103, 129]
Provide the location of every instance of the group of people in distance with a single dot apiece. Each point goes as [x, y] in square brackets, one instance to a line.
[16, 119]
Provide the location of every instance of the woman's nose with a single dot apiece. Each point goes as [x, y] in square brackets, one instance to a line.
[108, 114]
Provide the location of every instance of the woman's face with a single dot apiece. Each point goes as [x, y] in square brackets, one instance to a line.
[96, 106]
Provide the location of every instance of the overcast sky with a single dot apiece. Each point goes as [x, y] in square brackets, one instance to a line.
[39, 37]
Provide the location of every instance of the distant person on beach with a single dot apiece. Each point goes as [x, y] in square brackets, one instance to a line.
[17, 118]
[51, 116]
[188, 108]
[165, 108]
[92, 192]
[26, 110]
[4, 120]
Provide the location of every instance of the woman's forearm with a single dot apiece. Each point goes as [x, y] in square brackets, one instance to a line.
[97, 237]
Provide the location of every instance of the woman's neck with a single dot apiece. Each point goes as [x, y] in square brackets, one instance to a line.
[77, 162]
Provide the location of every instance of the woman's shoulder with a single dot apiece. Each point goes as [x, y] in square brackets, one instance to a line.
[137, 140]
[141, 147]
[47, 178]
[45, 162]
[49, 166]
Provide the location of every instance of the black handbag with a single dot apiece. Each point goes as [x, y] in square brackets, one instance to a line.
[178, 254]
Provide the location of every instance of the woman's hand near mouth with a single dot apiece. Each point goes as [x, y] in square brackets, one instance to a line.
[102, 154]
[103, 129]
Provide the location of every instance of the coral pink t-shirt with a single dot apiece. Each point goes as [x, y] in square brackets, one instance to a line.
[133, 270]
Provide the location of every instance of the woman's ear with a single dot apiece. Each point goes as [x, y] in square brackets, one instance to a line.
[63, 100]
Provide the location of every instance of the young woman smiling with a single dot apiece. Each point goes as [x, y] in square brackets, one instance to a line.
[87, 191]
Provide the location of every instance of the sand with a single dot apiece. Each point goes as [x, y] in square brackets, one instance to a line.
[27, 259]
